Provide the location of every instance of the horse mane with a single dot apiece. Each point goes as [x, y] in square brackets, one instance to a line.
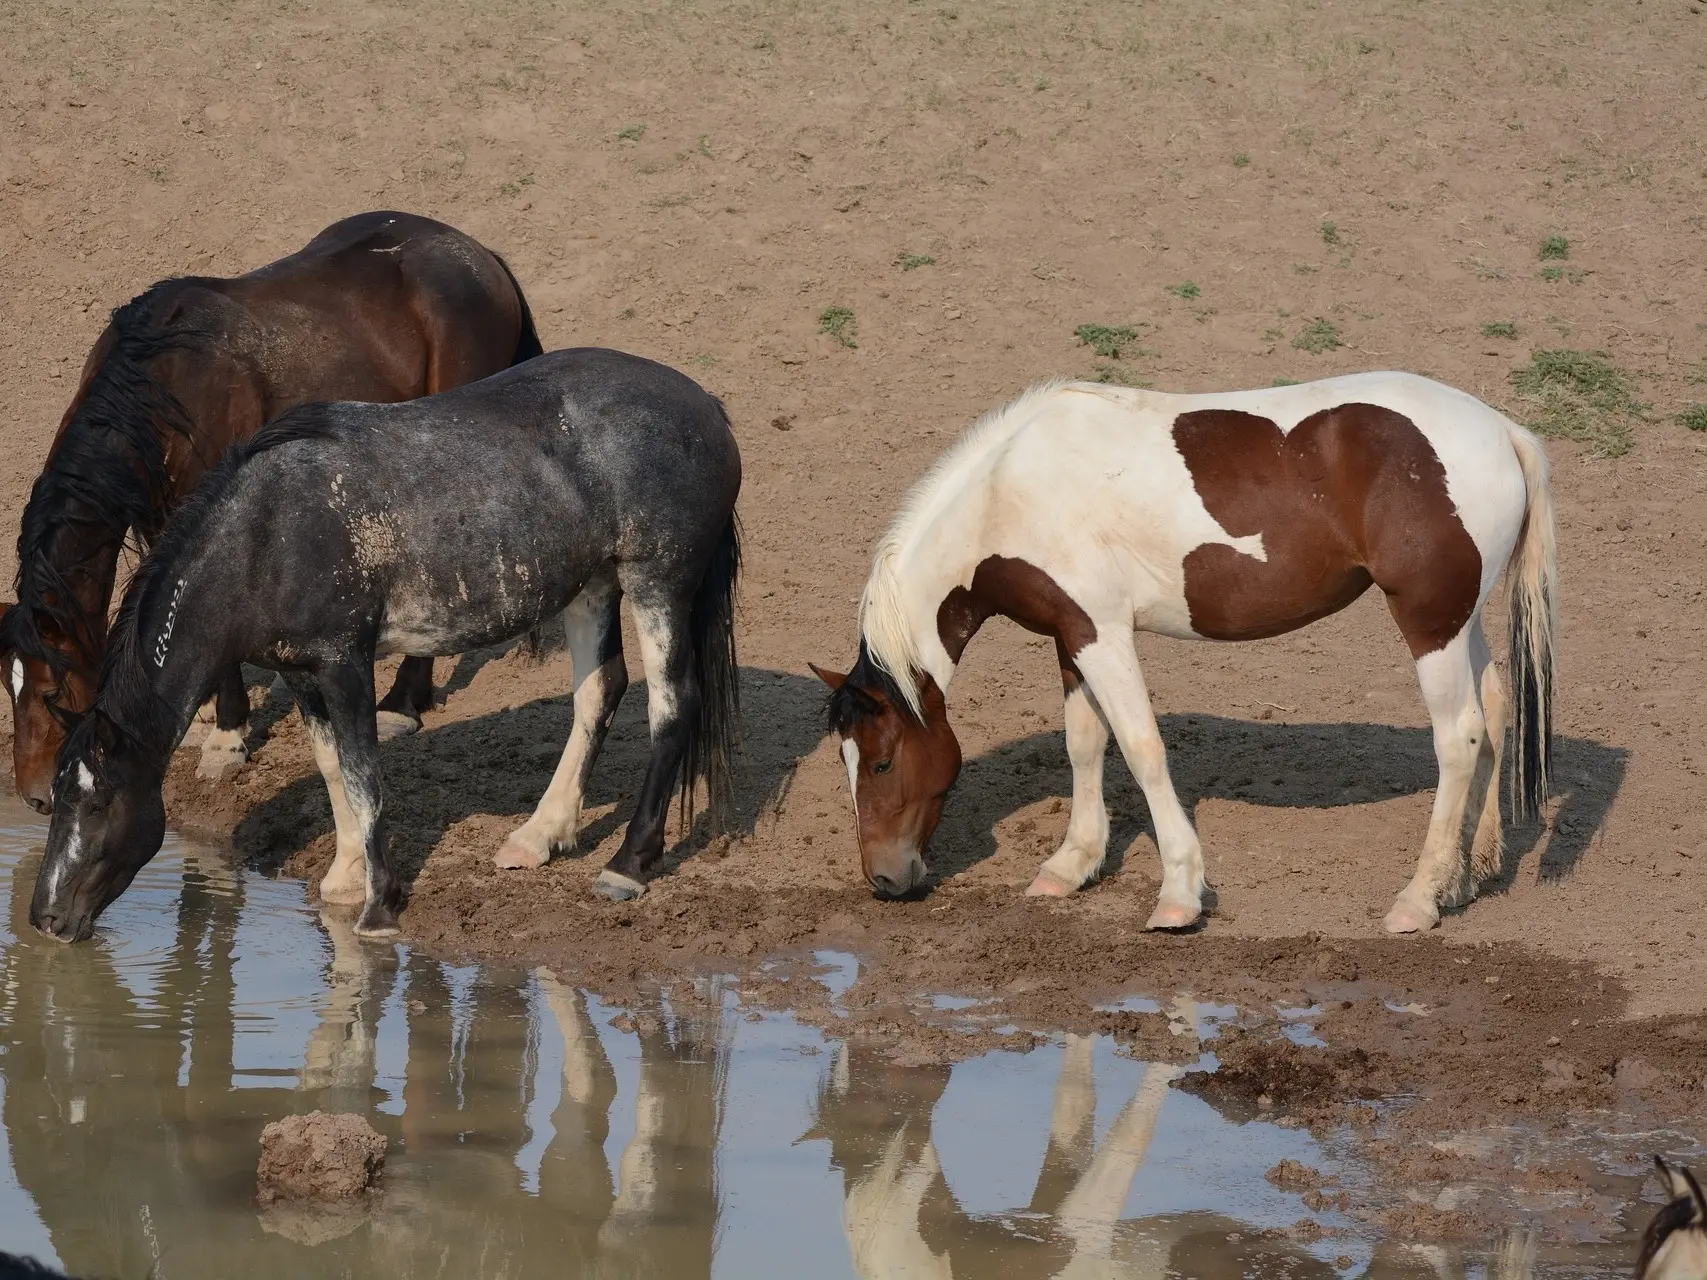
[852, 701]
[127, 706]
[109, 467]
[886, 632]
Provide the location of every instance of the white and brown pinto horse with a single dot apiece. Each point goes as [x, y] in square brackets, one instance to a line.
[1085, 512]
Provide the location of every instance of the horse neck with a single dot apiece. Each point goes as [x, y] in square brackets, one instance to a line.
[908, 589]
[165, 661]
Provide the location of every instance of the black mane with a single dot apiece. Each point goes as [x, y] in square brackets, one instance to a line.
[852, 702]
[127, 705]
[109, 470]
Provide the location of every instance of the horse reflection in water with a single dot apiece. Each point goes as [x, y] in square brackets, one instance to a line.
[903, 1222]
[127, 1131]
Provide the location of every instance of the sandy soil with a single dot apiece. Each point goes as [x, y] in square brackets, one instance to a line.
[699, 181]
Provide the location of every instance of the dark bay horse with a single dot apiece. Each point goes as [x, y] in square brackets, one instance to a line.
[378, 307]
[1085, 512]
[434, 526]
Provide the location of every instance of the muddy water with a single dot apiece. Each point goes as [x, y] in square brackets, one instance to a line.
[537, 1131]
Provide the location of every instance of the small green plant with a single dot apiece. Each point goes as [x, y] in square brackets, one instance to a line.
[1582, 396]
[1106, 340]
[1287, 382]
[1241, 160]
[517, 186]
[913, 261]
[1120, 377]
[840, 324]
[631, 133]
[1318, 336]
[703, 146]
[1499, 329]
[1330, 233]
[1694, 417]
[706, 361]
[1555, 247]
[1552, 273]
[1185, 290]
[1042, 84]
[627, 313]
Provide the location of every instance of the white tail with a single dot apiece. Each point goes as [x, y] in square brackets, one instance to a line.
[1532, 576]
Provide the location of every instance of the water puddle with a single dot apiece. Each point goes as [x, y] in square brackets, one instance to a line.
[537, 1130]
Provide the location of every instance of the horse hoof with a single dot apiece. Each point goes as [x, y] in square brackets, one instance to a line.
[1405, 918]
[343, 894]
[394, 724]
[1174, 915]
[1049, 885]
[516, 856]
[223, 754]
[618, 887]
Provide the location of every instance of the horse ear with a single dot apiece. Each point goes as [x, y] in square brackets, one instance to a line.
[1694, 1192]
[1674, 1179]
[835, 679]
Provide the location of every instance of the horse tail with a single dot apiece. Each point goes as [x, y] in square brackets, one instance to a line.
[528, 345]
[711, 632]
[1533, 574]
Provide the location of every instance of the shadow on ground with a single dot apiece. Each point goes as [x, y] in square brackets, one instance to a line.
[502, 762]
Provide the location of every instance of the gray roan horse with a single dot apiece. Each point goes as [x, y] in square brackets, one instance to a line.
[435, 526]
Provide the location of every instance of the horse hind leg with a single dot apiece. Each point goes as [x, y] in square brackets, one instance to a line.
[1442, 876]
[223, 750]
[672, 712]
[1487, 849]
[1081, 854]
[592, 627]
[400, 711]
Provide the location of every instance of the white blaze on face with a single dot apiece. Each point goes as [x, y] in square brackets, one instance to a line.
[17, 678]
[85, 779]
[850, 757]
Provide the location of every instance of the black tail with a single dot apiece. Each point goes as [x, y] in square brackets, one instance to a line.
[527, 346]
[711, 631]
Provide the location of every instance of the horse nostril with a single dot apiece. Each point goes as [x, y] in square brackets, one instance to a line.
[886, 886]
[38, 804]
[47, 923]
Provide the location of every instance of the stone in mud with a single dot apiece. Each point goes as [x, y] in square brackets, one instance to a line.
[318, 1157]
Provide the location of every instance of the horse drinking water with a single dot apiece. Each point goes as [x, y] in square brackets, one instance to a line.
[1084, 512]
[435, 526]
[381, 306]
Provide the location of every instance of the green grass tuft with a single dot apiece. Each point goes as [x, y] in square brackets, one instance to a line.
[1106, 340]
[1330, 233]
[632, 133]
[1694, 417]
[1287, 382]
[1499, 329]
[1555, 247]
[840, 324]
[1241, 160]
[1552, 273]
[1581, 396]
[1118, 376]
[911, 261]
[1185, 290]
[1318, 336]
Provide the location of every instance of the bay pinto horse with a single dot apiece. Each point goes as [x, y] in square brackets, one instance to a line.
[434, 526]
[1084, 512]
[381, 306]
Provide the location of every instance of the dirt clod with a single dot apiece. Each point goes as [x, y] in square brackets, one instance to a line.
[318, 1156]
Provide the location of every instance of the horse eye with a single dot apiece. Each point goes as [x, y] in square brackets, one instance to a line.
[883, 766]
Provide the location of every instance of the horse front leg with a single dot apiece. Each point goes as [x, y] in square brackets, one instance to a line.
[411, 697]
[1110, 667]
[672, 711]
[223, 750]
[346, 745]
[1082, 852]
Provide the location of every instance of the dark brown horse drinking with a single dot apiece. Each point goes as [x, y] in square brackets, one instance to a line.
[379, 307]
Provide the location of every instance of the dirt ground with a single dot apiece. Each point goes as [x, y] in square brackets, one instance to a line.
[699, 181]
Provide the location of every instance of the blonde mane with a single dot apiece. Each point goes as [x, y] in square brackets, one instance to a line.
[884, 626]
